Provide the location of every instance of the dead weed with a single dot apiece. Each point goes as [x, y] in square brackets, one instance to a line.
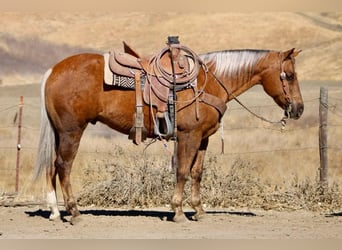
[146, 184]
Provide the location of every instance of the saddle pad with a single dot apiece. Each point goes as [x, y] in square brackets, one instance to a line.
[117, 80]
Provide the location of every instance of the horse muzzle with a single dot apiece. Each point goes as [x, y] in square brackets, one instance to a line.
[294, 110]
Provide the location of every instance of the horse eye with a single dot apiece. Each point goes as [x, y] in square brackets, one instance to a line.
[289, 76]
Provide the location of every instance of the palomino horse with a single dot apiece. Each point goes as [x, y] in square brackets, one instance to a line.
[74, 94]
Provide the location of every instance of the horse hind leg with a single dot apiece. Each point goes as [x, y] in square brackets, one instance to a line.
[51, 193]
[66, 152]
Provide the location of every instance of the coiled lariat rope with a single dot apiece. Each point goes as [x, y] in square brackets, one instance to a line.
[185, 77]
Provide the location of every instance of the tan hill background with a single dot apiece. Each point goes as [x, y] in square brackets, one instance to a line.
[30, 43]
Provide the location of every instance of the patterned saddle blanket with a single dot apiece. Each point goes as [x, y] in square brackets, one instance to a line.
[116, 79]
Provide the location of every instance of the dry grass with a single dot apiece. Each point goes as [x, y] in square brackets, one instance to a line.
[144, 185]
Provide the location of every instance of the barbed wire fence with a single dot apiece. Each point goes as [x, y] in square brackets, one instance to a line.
[19, 137]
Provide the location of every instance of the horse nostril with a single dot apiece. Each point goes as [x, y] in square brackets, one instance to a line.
[300, 111]
[295, 111]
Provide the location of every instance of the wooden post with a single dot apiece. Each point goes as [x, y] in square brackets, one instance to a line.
[21, 104]
[323, 134]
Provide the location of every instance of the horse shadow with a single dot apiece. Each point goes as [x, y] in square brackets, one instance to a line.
[162, 215]
[334, 214]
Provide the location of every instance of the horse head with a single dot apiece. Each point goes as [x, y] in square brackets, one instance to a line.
[280, 81]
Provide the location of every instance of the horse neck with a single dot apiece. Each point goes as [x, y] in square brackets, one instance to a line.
[238, 71]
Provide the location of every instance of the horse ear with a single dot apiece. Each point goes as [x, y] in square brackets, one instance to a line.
[290, 53]
[295, 53]
[287, 54]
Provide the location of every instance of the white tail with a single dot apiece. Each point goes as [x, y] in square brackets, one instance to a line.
[47, 138]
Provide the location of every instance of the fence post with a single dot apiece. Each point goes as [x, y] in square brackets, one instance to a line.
[323, 134]
[21, 104]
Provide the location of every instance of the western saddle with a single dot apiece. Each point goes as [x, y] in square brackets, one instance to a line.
[157, 79]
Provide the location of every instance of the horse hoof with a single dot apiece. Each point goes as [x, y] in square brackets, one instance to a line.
[199, 217]
[75, 220]
[181, 218]
[54, 217]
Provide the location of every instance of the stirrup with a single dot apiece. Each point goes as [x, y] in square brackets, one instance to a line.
[163, 126]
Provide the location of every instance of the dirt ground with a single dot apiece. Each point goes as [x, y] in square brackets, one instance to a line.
[99, 223]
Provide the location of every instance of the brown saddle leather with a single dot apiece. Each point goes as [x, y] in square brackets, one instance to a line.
[161, 79]
[157, 69]
[129, 50]
[123, 64]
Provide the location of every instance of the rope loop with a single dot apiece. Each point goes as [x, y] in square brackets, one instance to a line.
[185, 76]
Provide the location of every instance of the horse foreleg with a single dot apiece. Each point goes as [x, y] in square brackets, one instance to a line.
[196, 177]
[177, 198]
[187, 150]
[51, 196]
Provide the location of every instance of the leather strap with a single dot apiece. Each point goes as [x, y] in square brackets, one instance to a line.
[215, 102]
[138, 132]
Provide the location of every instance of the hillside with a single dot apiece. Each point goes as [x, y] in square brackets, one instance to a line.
[30, 43]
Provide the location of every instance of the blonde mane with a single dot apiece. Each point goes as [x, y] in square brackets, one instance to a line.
[234, 63]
